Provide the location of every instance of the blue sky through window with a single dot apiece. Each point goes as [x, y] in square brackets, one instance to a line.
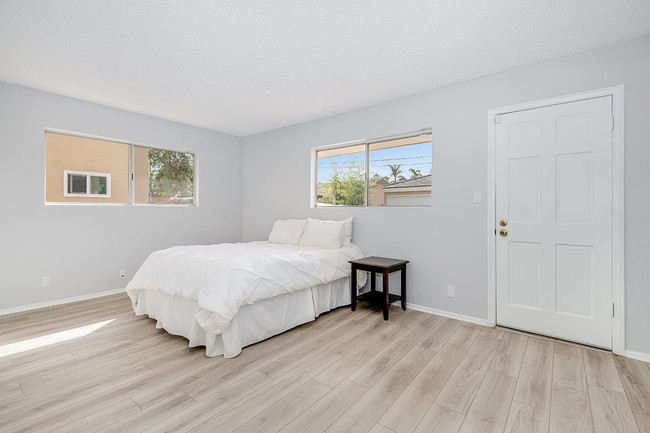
[416, 156]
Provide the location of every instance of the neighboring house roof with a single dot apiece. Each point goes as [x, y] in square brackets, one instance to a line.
[418, 182]
[378, 180]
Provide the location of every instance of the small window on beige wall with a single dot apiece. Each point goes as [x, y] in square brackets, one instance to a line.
[85, 170]
[81, 184]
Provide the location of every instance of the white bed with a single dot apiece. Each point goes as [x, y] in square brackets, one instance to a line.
[228, 296]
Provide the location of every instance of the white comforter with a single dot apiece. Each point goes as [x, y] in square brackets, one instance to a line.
[222, 278]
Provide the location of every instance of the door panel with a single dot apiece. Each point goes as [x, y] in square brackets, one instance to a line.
[524, 274]
[574, 187]
[523, 189]
[554, 189]
[574, 282]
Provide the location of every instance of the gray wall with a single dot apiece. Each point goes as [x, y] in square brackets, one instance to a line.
[447, 243]
[82, 248]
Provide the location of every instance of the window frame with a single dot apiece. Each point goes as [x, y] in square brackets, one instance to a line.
[313, 196]
[131, 182]
[87, 175]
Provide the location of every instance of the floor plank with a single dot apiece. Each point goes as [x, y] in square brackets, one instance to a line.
[601, 370]
[488, 414]
[410, 407]
[303, 352]
[611, 411]
[643, 422]
[570, 408]
[460, 389]
[367, 410]
[139, 421]
[10, 390]
[73, 372]
[99, 419]
[535, 376]
[567, 349]
[354, 355]
[526, 419]
[439, 419]
[374, 368]
[33, 357]
[509, 354]
[325, 411]
[249, 407]
[378, 428]
[635, 376]
[213, 404]
[444, 329]
[493, 332]
[31, 408]
[286, 409]
[465, 335]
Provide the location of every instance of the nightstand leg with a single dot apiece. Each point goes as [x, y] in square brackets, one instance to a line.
[373, 283]
[404, 288]
[353, 288]
[385, 286]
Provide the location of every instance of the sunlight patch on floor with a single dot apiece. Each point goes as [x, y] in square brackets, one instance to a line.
[47, 340]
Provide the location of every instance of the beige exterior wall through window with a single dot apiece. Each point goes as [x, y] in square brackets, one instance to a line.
[80, 154]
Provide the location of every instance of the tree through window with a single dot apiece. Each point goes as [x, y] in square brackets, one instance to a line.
[163, 176]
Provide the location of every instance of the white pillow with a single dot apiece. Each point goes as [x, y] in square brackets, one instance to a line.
[287, 231]
[347, 235]
[324, 234]
[347, 229]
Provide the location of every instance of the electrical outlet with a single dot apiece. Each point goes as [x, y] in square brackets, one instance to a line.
[451, 291]
[46, 281]
[123, 273]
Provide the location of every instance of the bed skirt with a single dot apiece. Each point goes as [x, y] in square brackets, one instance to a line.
[253, 323]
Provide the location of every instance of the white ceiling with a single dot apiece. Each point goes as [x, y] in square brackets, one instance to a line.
[243, 66]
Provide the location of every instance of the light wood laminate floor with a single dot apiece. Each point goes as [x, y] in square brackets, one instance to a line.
[94, 366]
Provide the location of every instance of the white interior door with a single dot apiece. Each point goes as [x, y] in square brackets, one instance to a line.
[554, 191]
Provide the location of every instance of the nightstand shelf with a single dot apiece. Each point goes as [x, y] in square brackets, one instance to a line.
[376, 298]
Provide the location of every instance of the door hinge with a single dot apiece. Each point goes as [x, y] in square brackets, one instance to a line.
[612, 309]
[497, 119]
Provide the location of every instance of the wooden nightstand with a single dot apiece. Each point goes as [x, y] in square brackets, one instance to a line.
[384, 266]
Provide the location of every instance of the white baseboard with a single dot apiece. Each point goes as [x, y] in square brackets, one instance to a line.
[59, 302]
[640, 356]
[449, 314]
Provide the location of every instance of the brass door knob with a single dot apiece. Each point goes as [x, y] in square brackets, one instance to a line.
[503, 223]
[503, 232]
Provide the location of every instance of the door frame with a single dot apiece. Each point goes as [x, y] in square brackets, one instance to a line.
[618, 217]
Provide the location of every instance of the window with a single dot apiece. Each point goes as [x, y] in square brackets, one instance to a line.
[390, 171]
[79, 184]
[163, 176]
[342, 176]
[82, 169]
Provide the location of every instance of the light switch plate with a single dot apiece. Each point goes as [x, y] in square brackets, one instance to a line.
[476, 197]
